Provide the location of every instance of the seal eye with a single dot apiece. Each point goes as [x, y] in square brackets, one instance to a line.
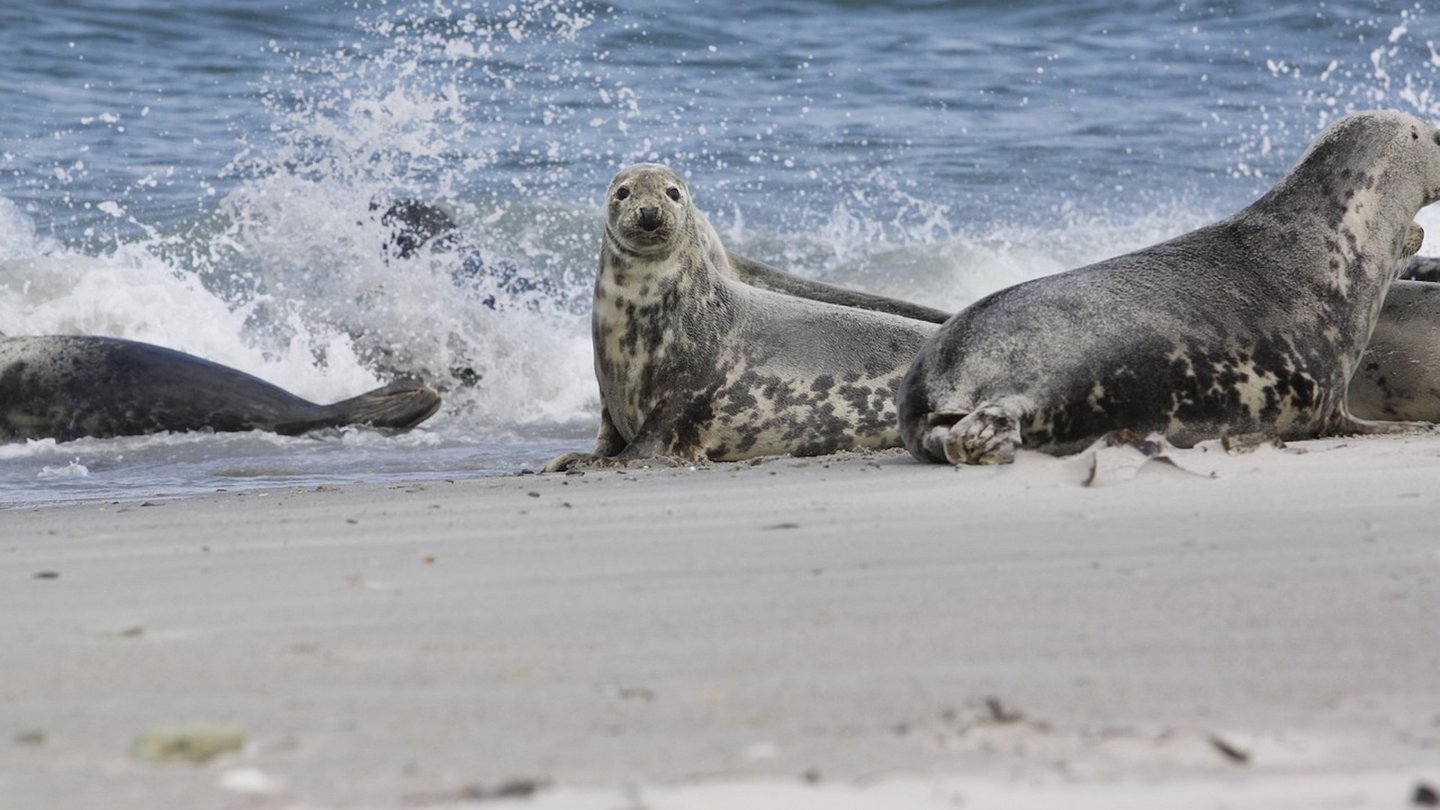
[621, 193]
[673, 193]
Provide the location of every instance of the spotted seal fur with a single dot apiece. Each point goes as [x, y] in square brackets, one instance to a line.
[1399, 376]
[1253, 324]
[64, 387]
[694, 363]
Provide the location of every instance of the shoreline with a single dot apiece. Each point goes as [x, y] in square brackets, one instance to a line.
[847, 631]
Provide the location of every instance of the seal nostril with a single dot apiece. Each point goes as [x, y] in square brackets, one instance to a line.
[649, 218]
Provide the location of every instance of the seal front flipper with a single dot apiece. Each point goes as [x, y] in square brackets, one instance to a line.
[658, 442]
[1414, 238]
[1350, 426]
[589, 461]
[655, 445]
[572, 461]
[989, 434]
[651, 450]
[611, 449]
[608, 444]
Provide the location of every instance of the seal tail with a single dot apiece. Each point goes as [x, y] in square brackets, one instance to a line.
[400, 405]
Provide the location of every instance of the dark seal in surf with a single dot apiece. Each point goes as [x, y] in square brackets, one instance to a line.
[66, 387]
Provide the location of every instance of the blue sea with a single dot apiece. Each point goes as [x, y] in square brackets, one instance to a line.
[204, 176]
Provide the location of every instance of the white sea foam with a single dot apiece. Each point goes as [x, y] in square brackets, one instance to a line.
[132, 294]
[74, 469]
[288, 278]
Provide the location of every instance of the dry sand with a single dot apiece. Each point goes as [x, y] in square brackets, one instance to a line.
[1262, 630]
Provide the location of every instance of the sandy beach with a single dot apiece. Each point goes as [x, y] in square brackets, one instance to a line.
[1249, 630]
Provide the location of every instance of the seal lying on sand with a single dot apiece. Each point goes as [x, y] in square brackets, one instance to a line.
[1253, 324]
[695, 364]
[1399, 375]
[65, 387]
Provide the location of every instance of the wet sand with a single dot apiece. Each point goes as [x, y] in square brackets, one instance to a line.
[855, 631]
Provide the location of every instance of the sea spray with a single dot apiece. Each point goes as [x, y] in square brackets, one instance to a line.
[223, 195]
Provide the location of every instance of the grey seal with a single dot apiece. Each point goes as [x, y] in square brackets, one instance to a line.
[1399, 375]
[1254, 324]
[694, 363]
[65, 387]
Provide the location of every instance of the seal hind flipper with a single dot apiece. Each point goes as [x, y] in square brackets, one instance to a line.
[758, 274]
[400, 405]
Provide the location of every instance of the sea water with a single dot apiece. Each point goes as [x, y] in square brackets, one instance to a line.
[206, 176]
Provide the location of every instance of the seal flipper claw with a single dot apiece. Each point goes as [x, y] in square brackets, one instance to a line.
[935, 444]
[582, 461]
[572, 461]
[988, 435]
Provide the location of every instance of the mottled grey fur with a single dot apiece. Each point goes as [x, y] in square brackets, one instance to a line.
[66, 387]
[1253, 324]
[693, 363]
[1399, 375]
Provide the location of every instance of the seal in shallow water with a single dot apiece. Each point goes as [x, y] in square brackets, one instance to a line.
[694, 363]
[66, 387]
[1253, 324]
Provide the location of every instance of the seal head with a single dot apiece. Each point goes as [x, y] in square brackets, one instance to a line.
[647, 210]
